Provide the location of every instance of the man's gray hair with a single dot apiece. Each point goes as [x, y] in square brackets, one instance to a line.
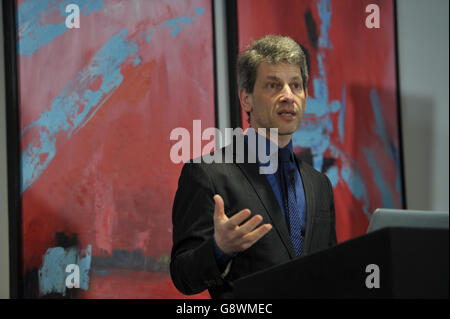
[273, 49]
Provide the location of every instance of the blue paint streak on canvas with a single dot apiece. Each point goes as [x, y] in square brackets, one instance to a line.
[380, 126]
[101, 272]
[351, 175]
[324, 8]
[64, 114]
[89, 5]
[178, 24]
[35, 33]
[125, 259]
[377, 173]
[137, 61]
[341, 123]
[382, 132]
[52, 275]
[317, 125]
[333, 175]
[356, 186]
[199, 11]
[84, 262]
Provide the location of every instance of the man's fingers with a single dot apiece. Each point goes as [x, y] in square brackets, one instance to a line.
[238, 218]
[219, 210]
[256, 235]
[250, 225]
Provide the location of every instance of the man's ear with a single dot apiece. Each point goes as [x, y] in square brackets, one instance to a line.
[246, 100]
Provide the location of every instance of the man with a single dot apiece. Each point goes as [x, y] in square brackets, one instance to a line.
[229, 220]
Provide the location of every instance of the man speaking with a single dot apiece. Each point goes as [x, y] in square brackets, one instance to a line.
[229, 220]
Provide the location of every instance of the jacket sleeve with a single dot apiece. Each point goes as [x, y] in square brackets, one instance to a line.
[193, 266]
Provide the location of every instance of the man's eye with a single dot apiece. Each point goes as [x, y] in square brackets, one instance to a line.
[296, 86]
[272, 85]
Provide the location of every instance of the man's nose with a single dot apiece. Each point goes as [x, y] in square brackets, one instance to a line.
[286, 94]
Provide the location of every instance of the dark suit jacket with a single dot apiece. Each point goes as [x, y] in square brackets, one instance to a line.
[193, 266]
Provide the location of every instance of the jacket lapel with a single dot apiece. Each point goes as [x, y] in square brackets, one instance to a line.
[310, 208]
[265, 193]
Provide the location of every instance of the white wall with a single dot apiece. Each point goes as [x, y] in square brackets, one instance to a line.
[423, 45]
[4, 251]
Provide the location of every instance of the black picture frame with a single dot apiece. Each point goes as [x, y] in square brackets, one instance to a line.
[13, 150]
[18, 280]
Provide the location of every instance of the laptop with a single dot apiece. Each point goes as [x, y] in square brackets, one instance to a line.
[384, 217]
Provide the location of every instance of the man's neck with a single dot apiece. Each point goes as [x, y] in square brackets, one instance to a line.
[280, 140]
[284, 140]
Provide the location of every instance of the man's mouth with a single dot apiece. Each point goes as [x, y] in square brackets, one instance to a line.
[286, 114]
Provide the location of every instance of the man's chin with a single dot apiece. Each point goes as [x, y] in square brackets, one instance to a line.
[284, 131]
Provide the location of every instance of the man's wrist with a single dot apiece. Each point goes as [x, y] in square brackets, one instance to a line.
[222, 258]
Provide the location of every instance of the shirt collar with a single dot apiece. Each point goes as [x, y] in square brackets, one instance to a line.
[271, 147]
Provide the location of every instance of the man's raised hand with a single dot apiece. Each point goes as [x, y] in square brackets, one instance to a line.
[230, 235]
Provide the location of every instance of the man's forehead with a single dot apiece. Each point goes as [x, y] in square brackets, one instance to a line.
[266, 69]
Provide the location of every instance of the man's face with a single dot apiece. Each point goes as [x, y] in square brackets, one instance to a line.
[278, 99]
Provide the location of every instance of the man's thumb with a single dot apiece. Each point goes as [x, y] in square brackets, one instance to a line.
[219, 210]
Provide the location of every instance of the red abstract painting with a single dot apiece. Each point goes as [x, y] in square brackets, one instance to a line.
[97, 106]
